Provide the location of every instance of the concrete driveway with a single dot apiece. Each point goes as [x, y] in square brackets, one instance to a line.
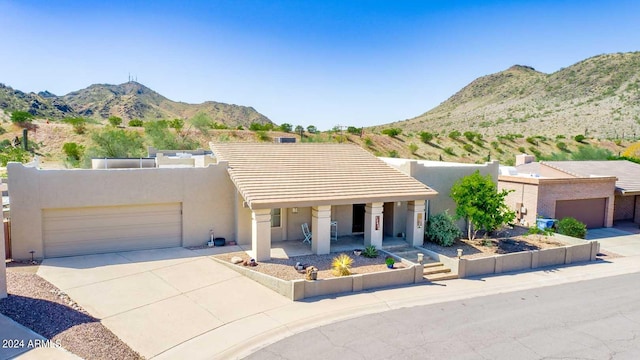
[155, 300]
[624, 241]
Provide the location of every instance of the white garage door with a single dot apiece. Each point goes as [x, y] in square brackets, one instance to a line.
[93, 230]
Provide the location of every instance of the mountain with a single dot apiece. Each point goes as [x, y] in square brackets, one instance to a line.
[599, 96]
[43, 104]
[130, 100]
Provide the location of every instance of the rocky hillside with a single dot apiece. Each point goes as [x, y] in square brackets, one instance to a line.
[130, 100]
[599, 97]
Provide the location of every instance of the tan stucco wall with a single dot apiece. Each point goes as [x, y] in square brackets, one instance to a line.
[295, 221]
[441, 176]
[206, 195]
[243, 221]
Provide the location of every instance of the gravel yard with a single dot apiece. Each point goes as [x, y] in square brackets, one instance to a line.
[40, 306]
[283, 268]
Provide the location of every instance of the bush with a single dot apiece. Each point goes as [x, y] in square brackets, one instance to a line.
[136, 123]
[368, 141]
[455, 134]
[393, 154]
[442, 229]
[262, 135]
[413, 148]
[79, 124]
[342, 265]
[449, 150]
[572, 227]
[115, 121]
[579, 138]
[286, 127]
[393, 132]
[468, 148]
[354, 130]
[73, 150]
[532, 140]
[370, 252]
[426, 137]
[562, 146]
[21, 117]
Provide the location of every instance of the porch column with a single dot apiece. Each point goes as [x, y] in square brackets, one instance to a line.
[261, 234]
[321, 229]
[373, 224]
[415, 222]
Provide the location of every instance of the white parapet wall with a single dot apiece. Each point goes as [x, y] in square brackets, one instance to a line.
[3, 267]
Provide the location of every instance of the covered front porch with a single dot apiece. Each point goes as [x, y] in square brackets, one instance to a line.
[344, 244]
[331, 189]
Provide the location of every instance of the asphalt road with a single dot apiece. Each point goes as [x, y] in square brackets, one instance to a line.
[596, 319]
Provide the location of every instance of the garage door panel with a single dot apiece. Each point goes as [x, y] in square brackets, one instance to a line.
[79, 231]
[589, 211]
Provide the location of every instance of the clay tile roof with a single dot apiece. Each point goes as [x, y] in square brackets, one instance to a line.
[299, 175]
[627, 172]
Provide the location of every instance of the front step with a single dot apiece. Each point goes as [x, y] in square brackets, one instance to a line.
[437, 271]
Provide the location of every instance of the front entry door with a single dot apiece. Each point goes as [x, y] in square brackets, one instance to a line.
[358, 218]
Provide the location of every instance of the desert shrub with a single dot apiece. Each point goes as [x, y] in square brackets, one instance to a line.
[571, 227]
[342, 265]
[532, 140]
[393, 132]
[14, 154]
[455, 134]
[560, 137]
[2, 130]
[262, 135]
[413, 148]
[522, 149]
[136, 123]
[442, 229]
[562, 146]
[219, 126]
[176, 124]
[286, 127]
[579, 138]
[354, 130]
[534, 230]
[468, 148]
[311, 129]
[21, 117]
[426, 137]
[79, 124]
[393, 154]
[449, 150]
[115, 121]
[368, 141]
[73, 150]
[370, 252]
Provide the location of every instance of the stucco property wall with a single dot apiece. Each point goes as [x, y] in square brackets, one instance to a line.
[3, 268]
[206, 195]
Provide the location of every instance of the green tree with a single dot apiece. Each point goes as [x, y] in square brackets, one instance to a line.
[115, 121]
[354, 130]
[21, 117]
[311, 129]
[202, 122]
[160, 137]
[299, 129]
[480, 203]
[286, 127]
[13, 154]
[116, 143]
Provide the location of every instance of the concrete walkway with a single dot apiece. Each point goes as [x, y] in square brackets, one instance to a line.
[178, 303]
[616, 240]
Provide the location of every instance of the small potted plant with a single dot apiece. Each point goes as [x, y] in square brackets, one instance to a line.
[389, 261]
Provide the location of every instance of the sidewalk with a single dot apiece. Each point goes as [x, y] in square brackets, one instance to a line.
[247, 335]
[22, 343]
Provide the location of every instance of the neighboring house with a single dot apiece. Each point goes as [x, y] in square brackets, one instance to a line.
[594, 192]
[251, 193]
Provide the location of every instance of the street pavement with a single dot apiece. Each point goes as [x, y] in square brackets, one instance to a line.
[594, 319]
[178, 303]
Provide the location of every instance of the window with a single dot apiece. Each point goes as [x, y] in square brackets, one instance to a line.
[276, 217]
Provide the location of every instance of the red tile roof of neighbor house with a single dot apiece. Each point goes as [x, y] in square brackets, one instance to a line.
[299, 175]
[627, 172]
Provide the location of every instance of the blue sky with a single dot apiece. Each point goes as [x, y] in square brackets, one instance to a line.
[304, 62]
